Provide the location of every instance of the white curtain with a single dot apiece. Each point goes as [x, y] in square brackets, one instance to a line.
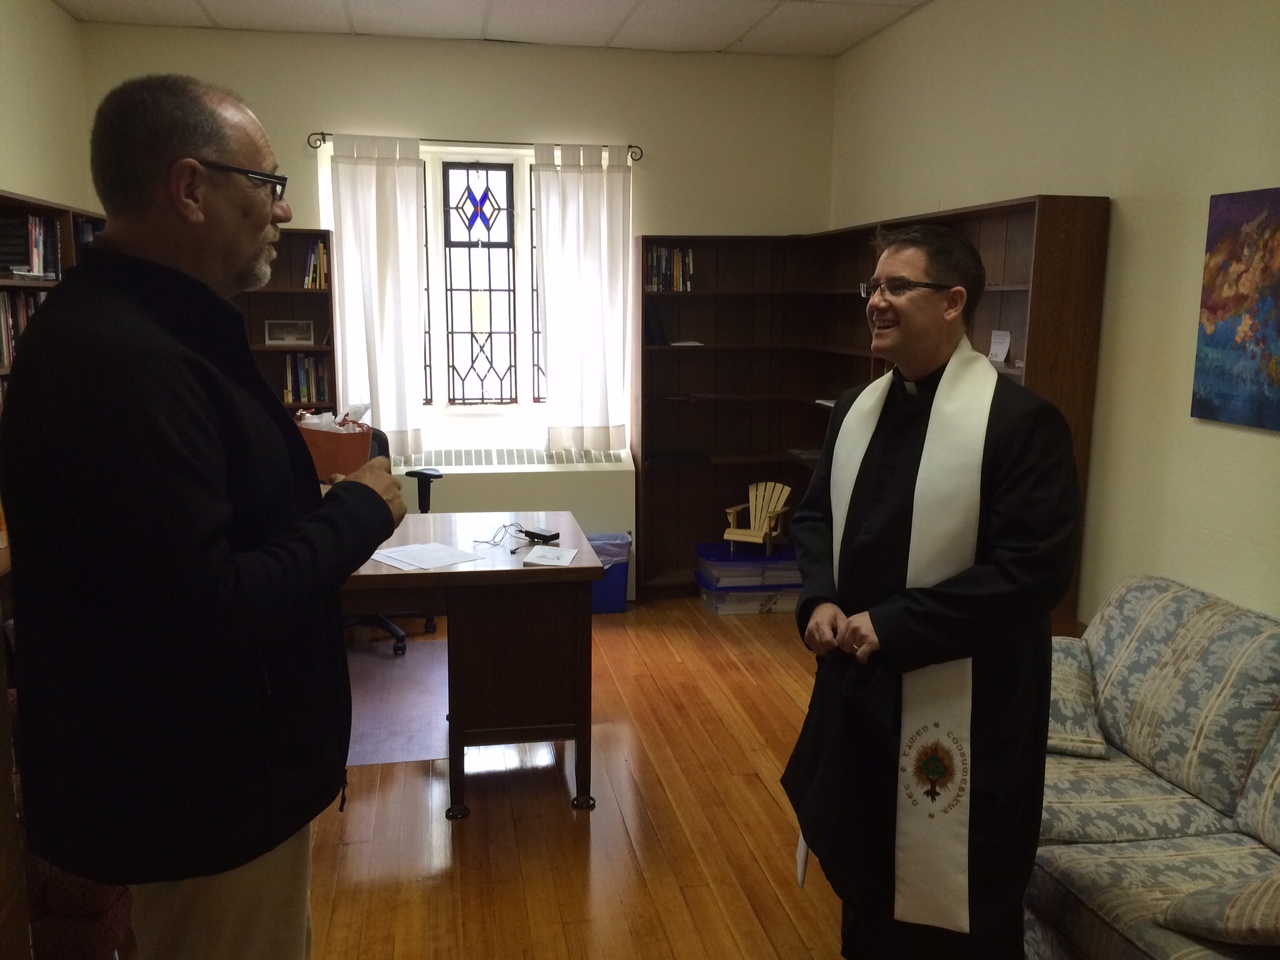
[380, 280]
[582, 229]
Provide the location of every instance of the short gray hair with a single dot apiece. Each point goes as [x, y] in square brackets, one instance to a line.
[143, 127]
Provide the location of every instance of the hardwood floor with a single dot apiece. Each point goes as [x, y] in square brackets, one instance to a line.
[690, 852]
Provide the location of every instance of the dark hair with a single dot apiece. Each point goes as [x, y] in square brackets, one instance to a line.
[949, 258]
[143, 127]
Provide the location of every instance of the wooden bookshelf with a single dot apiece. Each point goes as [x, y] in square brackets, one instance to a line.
[781, 327]
[63, 230]
[298, 296]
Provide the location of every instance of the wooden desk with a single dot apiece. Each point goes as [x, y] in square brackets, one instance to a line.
[519, 638]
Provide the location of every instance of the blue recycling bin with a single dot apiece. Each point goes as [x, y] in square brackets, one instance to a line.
[614, 550]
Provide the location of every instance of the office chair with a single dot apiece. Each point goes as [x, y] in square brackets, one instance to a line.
[425, 476]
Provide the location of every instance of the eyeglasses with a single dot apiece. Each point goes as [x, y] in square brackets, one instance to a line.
[276, 181]
[897, 287]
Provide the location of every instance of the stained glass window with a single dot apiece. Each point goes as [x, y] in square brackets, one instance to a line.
[480, 296]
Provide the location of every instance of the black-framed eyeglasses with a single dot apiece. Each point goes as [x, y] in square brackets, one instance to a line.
[276, 181]
[897, 287]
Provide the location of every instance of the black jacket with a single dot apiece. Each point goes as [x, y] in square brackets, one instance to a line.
[842, 777]
[184, 704]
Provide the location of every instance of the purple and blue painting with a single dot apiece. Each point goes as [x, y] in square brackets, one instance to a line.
[1237, 375]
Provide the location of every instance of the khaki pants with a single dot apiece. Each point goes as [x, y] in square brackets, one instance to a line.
[261, 911]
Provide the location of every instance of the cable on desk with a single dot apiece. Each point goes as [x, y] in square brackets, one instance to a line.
[507, 530]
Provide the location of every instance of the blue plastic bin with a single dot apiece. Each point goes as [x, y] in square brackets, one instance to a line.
[614, 550]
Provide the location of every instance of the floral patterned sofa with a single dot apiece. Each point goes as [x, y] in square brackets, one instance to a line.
[1161, 828]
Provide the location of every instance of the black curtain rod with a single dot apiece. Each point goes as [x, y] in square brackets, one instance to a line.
[316, 140]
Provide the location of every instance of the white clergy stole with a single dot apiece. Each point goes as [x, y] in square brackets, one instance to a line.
[931, 880]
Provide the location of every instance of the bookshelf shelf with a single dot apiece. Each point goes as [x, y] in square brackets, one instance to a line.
[781, 325]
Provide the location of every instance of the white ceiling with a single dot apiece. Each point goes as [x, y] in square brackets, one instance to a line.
[823, 28]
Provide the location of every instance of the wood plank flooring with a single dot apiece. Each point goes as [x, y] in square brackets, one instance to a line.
[690, 852]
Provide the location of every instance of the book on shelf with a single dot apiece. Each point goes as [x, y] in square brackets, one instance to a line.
[86, 230]
[16, 309]
[31, 246]
[654, 335]
[304, 388]
[668, 269]
[316, 276]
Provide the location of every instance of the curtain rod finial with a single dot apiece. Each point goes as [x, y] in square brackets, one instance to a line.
[316, 140]
[634, 152]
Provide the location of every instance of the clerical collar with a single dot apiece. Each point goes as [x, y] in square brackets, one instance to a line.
[927, 385]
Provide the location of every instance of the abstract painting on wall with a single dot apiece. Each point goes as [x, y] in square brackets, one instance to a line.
[1237, 377]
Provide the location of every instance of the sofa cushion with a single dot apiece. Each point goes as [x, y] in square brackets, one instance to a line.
[1104, 899]
[1258, 813]
[1073, 709]
[1245, 911]
[1118, 799]
[1042, 942]
[1188, 684]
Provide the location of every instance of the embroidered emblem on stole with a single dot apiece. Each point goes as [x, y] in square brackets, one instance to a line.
[931, 881]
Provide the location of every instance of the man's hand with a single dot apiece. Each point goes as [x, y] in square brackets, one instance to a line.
[858, 637]
[376, 474]
[825, 623]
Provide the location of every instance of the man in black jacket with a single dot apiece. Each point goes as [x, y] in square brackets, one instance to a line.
[185, 704]
[937, 535]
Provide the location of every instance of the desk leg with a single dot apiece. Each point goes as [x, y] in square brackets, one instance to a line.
[456, 810]
[584, 800]
[582, 739]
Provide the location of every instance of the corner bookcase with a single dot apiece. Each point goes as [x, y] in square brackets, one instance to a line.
[294, 307]
[746, 341]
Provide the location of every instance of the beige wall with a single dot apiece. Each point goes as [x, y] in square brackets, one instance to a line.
[1155, 103]
[1158, 104]
[731, 144]
[44, 152]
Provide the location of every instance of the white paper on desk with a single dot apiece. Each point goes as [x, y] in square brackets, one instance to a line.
[545, 556]
[423, 556]
[999, 346]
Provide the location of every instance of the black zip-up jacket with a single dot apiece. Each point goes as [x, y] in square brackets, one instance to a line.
[184, 704]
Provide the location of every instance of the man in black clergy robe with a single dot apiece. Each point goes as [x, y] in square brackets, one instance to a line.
[886, 601]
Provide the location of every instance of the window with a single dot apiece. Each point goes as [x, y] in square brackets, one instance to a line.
[480, 294]
[438, 316]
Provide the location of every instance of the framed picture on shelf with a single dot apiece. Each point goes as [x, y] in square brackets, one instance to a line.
[289, 332]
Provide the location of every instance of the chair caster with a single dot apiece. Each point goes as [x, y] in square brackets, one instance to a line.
[459, 812]
[584, 803]
[399, 648]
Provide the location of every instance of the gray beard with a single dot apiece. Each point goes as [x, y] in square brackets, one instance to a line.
[255, 275]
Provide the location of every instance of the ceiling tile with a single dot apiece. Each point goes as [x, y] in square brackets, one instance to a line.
[442, 19]
[587, 23]
[680, 25]
[802, 27]
[155, 13]
[817, 27]
[290, 16]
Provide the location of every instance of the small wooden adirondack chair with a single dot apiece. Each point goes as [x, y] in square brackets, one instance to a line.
[767, 504]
